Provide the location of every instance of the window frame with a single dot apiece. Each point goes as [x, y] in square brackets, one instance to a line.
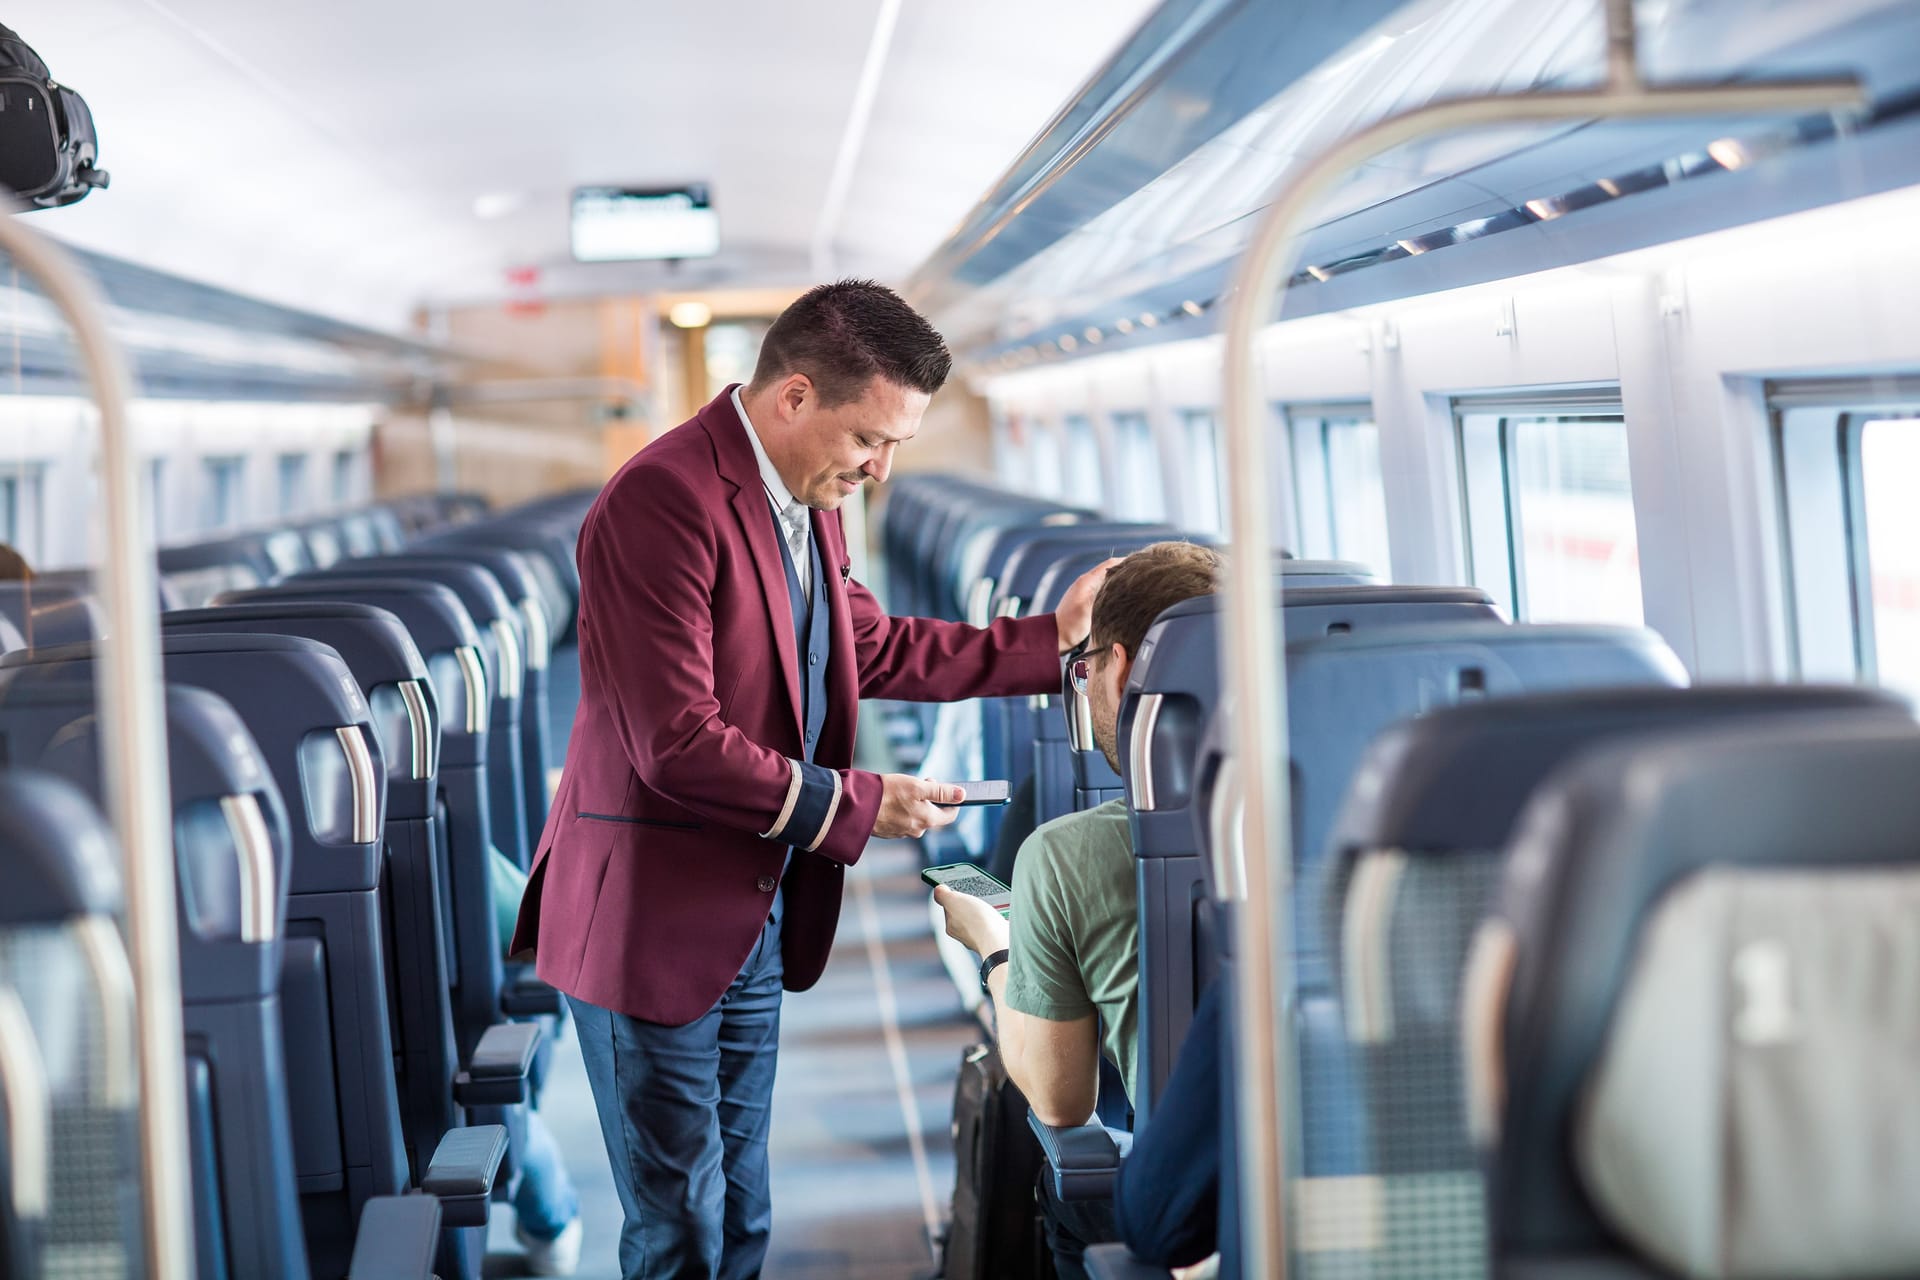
[212, 468]
[1850, 406]
[1598, 405]
[1321, 419]
[28, 534]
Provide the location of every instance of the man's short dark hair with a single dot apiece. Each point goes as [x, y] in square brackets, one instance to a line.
[845, 334]
[1146, 584]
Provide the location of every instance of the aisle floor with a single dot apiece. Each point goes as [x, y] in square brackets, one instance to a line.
[862, 1159]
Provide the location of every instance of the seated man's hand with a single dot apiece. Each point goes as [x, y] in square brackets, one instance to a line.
[1074, 617]
[911, 807]
[971, 922]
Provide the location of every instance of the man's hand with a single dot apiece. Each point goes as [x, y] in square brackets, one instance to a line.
[910, 807]
[971, 922]
[1074, 617]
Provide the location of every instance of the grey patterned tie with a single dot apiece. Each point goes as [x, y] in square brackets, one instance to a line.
[793, 522]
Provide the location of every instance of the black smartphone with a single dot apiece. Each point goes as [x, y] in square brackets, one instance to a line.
[992, 791]
[964, 877]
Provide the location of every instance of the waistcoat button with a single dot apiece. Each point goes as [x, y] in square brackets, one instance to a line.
[766, 883]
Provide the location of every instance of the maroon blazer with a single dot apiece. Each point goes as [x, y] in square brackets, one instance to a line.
[661, 855]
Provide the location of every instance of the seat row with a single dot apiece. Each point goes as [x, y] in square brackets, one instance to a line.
[348, 745]
[1436, 751]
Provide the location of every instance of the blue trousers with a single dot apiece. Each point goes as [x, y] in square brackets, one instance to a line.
[685, 1113]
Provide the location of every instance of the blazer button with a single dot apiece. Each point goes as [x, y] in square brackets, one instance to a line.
[766, 884]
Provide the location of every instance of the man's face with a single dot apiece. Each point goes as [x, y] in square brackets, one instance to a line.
[832, 452]
[1107, 670]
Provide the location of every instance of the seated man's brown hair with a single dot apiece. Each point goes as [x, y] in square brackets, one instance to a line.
[1145, 584]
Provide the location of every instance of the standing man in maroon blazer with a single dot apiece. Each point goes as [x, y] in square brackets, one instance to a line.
[693, 861]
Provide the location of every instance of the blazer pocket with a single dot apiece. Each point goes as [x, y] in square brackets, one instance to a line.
[638, 822]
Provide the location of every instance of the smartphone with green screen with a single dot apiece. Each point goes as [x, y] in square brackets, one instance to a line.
[964, 877]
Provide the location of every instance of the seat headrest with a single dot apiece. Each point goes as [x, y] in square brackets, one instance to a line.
[1673, 907]
[60, 857]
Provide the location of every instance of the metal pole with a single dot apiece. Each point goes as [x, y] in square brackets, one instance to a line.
[135, 758]
[1263, 938]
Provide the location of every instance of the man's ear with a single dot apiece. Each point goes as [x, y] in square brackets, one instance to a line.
[1122, 663]
[795, 390]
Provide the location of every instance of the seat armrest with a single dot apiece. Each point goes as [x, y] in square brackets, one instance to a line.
[1084, 1159]
[1113, 1262]
[460, 1175]
[397, 1239]
[497, 1074]
[527, 996]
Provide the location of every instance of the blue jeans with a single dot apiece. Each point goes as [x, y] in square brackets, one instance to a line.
[545, 1200]
[685, 1113]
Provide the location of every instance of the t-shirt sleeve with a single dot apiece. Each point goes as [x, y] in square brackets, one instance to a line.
[1043, 976]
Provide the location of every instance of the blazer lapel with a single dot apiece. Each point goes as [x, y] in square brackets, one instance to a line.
[737, 464]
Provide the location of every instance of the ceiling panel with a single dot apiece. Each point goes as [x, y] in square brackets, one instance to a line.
[329, 156]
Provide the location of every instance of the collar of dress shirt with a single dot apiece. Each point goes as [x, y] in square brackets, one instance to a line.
[777, 491]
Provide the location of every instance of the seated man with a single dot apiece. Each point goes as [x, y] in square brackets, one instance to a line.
[1064, 976]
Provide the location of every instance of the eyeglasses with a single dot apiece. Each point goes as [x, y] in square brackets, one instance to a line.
[1080, 672]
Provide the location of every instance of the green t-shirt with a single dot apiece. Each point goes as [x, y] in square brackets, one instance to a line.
[1076, 928]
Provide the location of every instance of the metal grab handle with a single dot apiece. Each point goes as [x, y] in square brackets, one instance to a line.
[23, 1084]
[1146, 718]
[1264, 941]
[366, 784]
[506, 642]
[259, 891]
[134, 755]
[475, 672]
[420, 723]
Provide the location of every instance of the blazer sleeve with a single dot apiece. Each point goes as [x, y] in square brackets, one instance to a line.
[923, 660]
[646, 613]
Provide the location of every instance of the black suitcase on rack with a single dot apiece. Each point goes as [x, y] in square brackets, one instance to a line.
[994, 1232]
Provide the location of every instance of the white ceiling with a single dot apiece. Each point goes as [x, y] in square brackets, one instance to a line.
[329, 156]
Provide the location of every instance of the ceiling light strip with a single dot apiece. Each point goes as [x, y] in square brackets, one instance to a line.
[854, 138]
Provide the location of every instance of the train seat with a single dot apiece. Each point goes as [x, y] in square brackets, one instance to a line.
[46, 613]
[1689, 1034]
[66, 1035]
[1413, 857]
[500, 625]
[443, 630]
[1170, 699]
[418, 898]
[303, 707]
[1170, 695]
[1010, 725]
[549, 553]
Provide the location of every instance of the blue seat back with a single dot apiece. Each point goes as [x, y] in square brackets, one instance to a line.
[67, 1019]
[1170, 698]
[1608, 845]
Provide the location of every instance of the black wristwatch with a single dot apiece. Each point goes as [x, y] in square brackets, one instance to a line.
[987, 966]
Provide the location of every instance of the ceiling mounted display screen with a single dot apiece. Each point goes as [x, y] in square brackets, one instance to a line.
[625, 224]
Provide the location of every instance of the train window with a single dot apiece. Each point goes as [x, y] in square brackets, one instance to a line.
[1083, 479]
[20, 512]
[1548, 509]
[1204, 509]
[157, 496]
[1045, 466]
[292, 473]
[1851, 538]
[1889, 472]
[343, 479]
[1140, 495]
[1339, 501]
[224, 500]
